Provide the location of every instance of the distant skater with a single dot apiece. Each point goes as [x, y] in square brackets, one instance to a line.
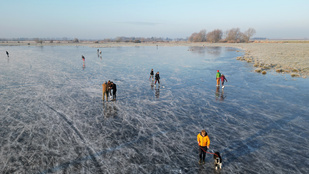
[218, 75]
[157, 77]
[222, 80]
[7, 53]
[114, 90]
[151, 74]
[83, 62]
[104, 91]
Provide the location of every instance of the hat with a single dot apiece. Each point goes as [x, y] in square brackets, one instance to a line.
[217, 70]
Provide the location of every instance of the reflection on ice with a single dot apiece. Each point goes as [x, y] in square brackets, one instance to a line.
[53, 119]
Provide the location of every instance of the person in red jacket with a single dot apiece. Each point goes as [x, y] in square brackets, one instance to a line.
[203, 142]
[222, 80]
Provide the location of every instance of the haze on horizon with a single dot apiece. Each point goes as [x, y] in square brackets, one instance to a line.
[100, 19]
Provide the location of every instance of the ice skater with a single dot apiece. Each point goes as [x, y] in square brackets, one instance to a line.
[7, 53]
[157, 77]
[203, 143]
[151, 74]
[104, 91]
[218, 75]
[113, 86]
[109, 87]
[83, 58]
[222, 80]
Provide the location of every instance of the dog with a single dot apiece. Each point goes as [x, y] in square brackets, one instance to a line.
[218, 160]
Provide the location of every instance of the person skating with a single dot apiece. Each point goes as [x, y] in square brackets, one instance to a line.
[83, 58]
[113, 86]
[203, 143]
[218, 75]
[104, 91]
[151, 74]
[7, 53]
[109, 87]
[157, 77]
[222, 80]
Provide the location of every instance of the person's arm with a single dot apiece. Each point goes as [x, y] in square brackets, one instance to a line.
[198, 140]
[208, 142]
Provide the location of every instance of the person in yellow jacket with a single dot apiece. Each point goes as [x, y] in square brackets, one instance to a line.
[203, 142]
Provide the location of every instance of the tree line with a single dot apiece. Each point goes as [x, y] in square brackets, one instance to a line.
[233, 35]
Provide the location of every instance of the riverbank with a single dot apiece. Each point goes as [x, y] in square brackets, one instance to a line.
[283, 57]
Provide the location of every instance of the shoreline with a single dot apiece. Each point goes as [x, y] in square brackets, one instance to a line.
[283, 57]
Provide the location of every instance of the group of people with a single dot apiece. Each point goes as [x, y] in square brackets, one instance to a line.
[221, 77]
[157, 77]
[107, 88]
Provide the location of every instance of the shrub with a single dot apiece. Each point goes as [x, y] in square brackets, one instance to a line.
[295, 75]
[258, 70]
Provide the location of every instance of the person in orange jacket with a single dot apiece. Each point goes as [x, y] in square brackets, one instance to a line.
[104, 91]
[203, 142]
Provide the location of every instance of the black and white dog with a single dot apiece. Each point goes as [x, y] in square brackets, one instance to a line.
[218, 160]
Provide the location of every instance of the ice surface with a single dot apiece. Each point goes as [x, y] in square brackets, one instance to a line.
[53, 119]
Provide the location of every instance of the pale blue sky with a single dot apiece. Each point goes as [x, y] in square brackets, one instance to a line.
[99, 19]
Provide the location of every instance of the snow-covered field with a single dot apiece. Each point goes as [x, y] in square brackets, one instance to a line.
[53, 120]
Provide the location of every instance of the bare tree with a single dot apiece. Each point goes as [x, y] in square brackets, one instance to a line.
[198, 37]
[37, 40]
[234, 35]
[248, 34]
[191, 38]
[214, 36]
[75, 40]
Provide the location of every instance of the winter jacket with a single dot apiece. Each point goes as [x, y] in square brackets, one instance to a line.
[203, 140]
[157, 77]
[223, 78]
[218, 75]
[114, 87]
[104, 86]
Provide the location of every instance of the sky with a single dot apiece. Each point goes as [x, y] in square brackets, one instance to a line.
[101, 19]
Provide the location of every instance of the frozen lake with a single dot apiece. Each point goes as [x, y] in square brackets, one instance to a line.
[53, 119]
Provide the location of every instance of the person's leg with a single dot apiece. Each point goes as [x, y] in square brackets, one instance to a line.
[155, 81]
[114, 94]
[200, 154]
[218, 82]
[204, 153]
[159, 81]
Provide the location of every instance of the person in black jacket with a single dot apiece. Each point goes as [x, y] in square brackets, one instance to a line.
[151, 74]
[7, 53]
[157, 77]
[114, 88]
